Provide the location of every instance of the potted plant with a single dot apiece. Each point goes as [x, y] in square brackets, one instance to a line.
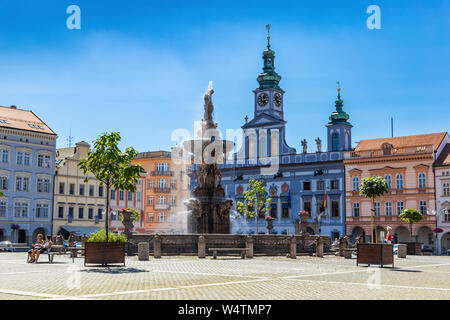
[99, 250]
[269, 220]
[113, 169]
[411, 216]
[374, 253]
[128, 216]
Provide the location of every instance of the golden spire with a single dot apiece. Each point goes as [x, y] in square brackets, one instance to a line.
[268, 36]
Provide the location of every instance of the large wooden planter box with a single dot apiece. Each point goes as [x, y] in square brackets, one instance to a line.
[375, 253]
[413, 248]
[104, 253]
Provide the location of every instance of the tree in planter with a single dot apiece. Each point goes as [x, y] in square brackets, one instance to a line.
[112, 167]
[372, 188]
[255, 202]
[411, 216]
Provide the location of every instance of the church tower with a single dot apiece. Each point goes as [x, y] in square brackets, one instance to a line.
[265, 133]
[339, 129]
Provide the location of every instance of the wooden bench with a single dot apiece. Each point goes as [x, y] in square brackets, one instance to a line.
[241, 250]
[56, 250]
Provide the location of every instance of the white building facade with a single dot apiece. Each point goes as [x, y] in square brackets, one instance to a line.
[27, 166]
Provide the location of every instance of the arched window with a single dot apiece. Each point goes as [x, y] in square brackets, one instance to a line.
[251, 147]
[422, 180]
[355, 183]
[263, 147]
[388, 180]
[274, 145]
[335, 142]
[399, 181]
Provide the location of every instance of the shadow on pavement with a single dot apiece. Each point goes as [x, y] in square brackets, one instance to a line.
[109, 270]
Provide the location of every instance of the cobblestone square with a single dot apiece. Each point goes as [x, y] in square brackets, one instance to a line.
[227, 278]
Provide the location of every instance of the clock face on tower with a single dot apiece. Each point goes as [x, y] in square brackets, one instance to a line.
[263, 99]
[277, 99]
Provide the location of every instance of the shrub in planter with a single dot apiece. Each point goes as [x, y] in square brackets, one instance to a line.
[99, 251]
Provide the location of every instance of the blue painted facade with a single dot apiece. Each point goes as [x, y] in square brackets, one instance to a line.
[27, 166]
[295, 181]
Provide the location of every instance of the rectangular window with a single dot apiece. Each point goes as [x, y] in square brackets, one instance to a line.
[70, 212]
[72, 188]
[150, 217]
[81, 189]
[306, 186]
[273, 210]
[162, 183]
[172, 218]
[61, 188]
[285, 210]
[60, 212]
[138, 196]
[100, 191]
[173, 200]
[22, 183]
[388, 209]
[5, 156]
[423, 207]
[400, 207]
[161, 200]
[320, 185]
[100, 214]
[446, 189]
[21, 209]
[19, 158]
[113, 195]
[162, 217]
[43, 161]
[150, 201]
[80, 213]
[307, 206]
[334, 184]
[121, 195]
[3, 207]
[130, 196]
[356, 209]
[151, 184]
[41, 210]
[26, 159]
[43, 185]
[4, 183]
[91, 213]
[377, 207]
[335, 208]
[91, 190]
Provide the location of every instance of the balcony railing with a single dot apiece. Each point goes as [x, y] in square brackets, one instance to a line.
[392, 152]
[162, 190]
[162, 173]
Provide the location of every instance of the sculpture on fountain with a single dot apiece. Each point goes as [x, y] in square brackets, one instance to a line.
[209, 210]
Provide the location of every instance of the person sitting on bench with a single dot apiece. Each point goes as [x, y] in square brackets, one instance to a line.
[35, 247]
[45, 249]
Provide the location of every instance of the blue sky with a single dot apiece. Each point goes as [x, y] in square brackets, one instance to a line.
[141, 67]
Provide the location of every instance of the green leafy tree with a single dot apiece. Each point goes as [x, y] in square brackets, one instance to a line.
[255, 202]
[372, 188]
[112, 167]
[411, 216]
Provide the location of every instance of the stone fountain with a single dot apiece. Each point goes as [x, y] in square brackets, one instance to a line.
[209, 209]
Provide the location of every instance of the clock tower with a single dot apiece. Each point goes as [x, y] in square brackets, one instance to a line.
[269, 95]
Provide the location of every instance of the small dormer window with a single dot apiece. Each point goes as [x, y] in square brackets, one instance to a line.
[36, 126]
[387, 148]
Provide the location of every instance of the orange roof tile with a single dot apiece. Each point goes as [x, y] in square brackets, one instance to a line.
[11, 117]
[444, 157]
[433, 139]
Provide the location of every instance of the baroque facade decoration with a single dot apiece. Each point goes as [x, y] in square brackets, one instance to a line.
[27, 158]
